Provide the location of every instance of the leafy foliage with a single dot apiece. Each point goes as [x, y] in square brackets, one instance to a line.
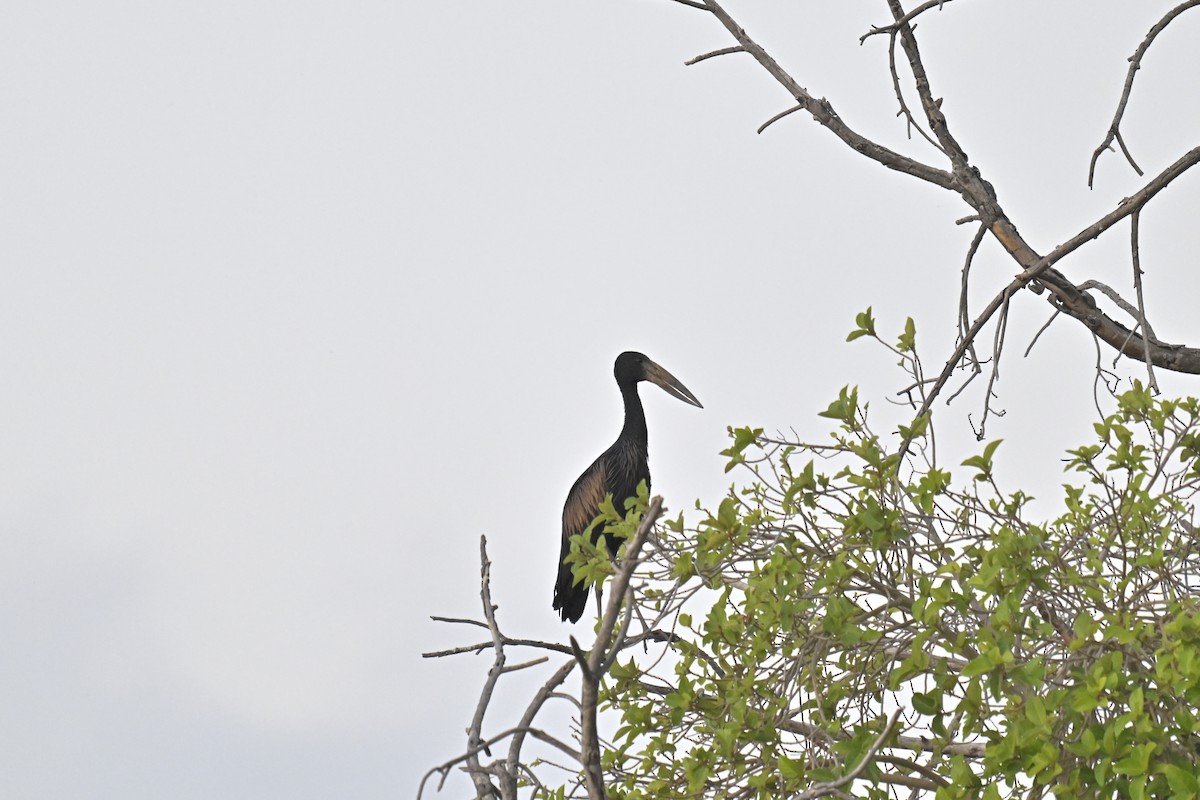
[852, 578]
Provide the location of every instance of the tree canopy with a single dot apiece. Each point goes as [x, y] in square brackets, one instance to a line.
[857, 617]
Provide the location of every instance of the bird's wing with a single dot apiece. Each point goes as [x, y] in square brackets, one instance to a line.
[583, 502]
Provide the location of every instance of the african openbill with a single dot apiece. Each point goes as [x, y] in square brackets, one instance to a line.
[617, 471]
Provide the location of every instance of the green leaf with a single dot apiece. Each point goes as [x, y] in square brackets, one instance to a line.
[983, 462]
[908, 339]
[865, 323]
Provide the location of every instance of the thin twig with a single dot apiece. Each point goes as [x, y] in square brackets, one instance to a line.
[526, 664]
[1066, 292]
[482, 747]
[1041, 330]
[1137, 285]
[899, 92]
[997, 349]
[475, 743]
[539, 699]
[466, 648]
[963, 299]
[481, 646]
[778, 117]
[1135, 63]
[1122, 303]
[458, 621]
[822, 111]
[907, 18]
[932, 107]
[722, 52]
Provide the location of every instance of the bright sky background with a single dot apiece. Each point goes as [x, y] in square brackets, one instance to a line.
[297, 299]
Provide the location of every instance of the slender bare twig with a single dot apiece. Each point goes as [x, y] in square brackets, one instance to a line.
[1137, 286]
[1038, 272]
[483, 785]
[539, 699]
[481, 646]
[904, 20]
[997, 349]
[1129, 205]
[1040, 331]
[466, 648]
[526, 664]
[458, 621]
[822, 111]
[1072, 298]
[778, 117]
[1135, 63]
[484, 746]
[1112, 294]
[931, 106]
[722, 52]
[963, 299]
[899, 92]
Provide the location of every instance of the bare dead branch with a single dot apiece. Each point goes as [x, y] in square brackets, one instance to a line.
[997, 349]
[457, 621]
[475, 743]
[526, 664]
[1073, 299]
[481, 646]
[1041, 330]
[1115, 296]
[482, 747]
[778, 117]
[722, 52]
[899, 92]
[466, 648]
[1137, 286]
[980, 195]
[963, 308]
[823, 112]
[1135, 63]
[539, 699]
[998, 302]
[1129, 205]
[932, 107]
[907, 18]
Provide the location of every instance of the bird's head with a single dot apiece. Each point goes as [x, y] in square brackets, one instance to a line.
[633, 367]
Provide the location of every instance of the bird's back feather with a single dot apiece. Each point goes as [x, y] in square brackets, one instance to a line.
[618, 471]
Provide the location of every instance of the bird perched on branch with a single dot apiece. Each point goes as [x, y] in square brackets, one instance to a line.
[617, 472]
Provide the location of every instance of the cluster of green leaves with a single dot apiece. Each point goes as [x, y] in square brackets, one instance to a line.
[846, 580]
[588, 555]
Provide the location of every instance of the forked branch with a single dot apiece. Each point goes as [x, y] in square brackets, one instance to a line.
[1037, 271]
[1135, 63]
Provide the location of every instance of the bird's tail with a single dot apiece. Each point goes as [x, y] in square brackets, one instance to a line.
[570, 598]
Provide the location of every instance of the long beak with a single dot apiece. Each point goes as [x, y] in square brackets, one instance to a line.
[669, 383]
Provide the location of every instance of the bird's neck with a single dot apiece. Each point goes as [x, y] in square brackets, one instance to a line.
[635, 417]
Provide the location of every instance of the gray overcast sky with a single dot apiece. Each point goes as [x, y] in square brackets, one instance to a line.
[297, 299]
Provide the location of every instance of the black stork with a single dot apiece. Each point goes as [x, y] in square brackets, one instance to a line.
[617, 471]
